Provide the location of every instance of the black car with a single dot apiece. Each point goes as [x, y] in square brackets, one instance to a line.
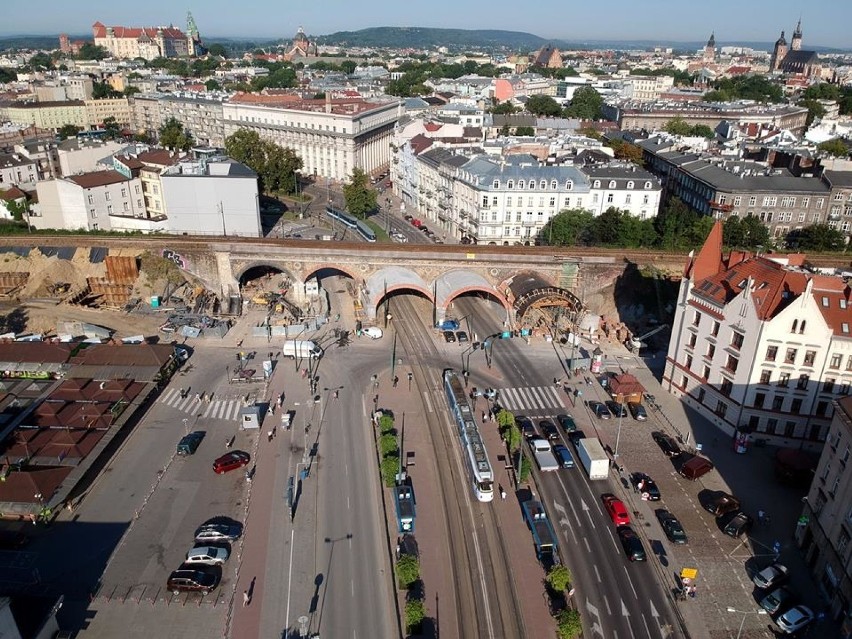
[461, 336]
[645, 486]
[567, 422]
[616, 409]
[671, 526]
[548, 429]
[735, 524]
[638, 411]
[667, 444]
[599, 410]
[525, 425]
[449, 336]
[575, 437]
[188, 444]
[633, 546]
[778, 600]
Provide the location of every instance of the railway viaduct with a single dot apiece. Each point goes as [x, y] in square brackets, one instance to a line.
[518, 278]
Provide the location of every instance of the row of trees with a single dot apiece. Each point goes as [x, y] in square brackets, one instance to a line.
[745, 87]
[585, 105]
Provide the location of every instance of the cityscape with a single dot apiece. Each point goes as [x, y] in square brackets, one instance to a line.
[433, 329]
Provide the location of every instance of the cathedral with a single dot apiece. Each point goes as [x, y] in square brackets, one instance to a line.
[792, 59]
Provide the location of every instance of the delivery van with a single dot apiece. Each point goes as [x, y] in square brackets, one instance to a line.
[301, 348]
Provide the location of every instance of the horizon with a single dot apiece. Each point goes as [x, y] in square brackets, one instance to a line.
[824, 22]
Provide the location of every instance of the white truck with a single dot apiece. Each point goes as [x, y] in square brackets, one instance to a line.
[301, 348]
[593, 457]
[543, 454]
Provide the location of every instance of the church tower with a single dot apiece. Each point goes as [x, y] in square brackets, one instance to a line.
[710, 49]
[778, 54]
[796, 42]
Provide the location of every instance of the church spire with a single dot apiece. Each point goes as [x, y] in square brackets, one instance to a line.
[796, 42]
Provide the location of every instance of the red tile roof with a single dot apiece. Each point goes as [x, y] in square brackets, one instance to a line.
[12, 194]
[22, 486]
[709, 259]
[97, 178]
[99, 31]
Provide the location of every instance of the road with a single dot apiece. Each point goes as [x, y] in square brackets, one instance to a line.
[615, 597]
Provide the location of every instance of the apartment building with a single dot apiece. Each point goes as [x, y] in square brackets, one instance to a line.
[625, 187]
[17, 170]
[331, 136]
[145, 113]
[97, 111]
[149, 164]
[215, 196]
[50, 116]
[642, 88]
[653, 116]
[760, 345]
[824, 531]
[84, 156]
[201, 115]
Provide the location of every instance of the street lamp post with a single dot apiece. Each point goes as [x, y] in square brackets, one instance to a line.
[745, 613]
[620, 421]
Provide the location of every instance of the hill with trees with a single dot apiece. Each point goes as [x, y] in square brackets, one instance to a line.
[424, 37]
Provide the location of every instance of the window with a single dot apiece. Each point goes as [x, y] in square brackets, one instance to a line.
[715, 331]
[701, 394]
[553, 201]
[806, 201]
[828, 385]
[627, 199]
[494, 201]
[769, 200]
[789, 429]
[738, 200]
[696, 318]
[609, 198]
[820, 202]
[631, 184]
[835, 361]
[542, 185]
[759, 399]
[711, 351]
[109, 209]
[737, 340]
[802, 384]
[510, 184]
[726, 387]
[647, 185]
[721, 408]
[553, 185]
[107, 196]
[784, 380]
[777, 402]
[752, 200]
[597, 184]
[810, 356]
[772, 353]
[645, 199]
[790, 357]
[844, 388]
[765, 376]
[691, 341]
[732, 363]
[771, 426]
[521, 184]
[484, 200]
[123, 192]
[595, 198]
[569, 185]
[612, 184]
[796, 406]
[706, 372]
[90, 198]
[688, 362]
[795, 326]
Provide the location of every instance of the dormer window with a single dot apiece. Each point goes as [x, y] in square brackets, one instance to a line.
[631, 184]
[553, 185]
[510, 184]
[612, 184]
[520, 184]
[647, 185]
[569, 185]
[597, 184]
[495, 184]
[542, 185]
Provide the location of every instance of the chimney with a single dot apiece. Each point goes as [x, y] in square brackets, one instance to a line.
[328, 102]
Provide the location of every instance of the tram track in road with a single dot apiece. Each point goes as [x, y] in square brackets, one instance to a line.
[487, 605]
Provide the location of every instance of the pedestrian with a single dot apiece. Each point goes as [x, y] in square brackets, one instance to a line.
[760, 516]
[269, 436]
[483, 417]
[246, 598]
[227, 442]
[336, 394]
[272, 410]
[691, 591]
[502, 493]
[395, 380]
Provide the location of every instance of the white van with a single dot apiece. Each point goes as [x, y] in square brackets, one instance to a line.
[301, 348]
[373, 332]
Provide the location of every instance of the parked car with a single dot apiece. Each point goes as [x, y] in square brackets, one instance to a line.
[525, 425]
[461, 336]
[218, 532]
[193, 579]
[616, 509]
[638, 411]
[777, 600]
[449, 336]
[13, 539]
[210, 555]
[616, 409]
[575, 437]
[771, 576]
[231, 461]
[567, 422]
[695, 467]
[373, 332]
[188, 444]
[646, 486]
[720, 503]
[735, 524]
[563, 456]
[633, 546]
[795, 619]
[666, 443]
[548, 430]
[598, 410]
[671, 526]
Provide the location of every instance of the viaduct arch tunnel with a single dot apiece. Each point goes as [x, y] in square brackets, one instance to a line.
[537, 302]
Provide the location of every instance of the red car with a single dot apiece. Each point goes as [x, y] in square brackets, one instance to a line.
[615, 507]
[231, 461]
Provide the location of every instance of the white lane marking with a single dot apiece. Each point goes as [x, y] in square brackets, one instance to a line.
[557, 397]
[428, 402]
[597, 573]
[209, 408]
[608, 608]
[588, 548]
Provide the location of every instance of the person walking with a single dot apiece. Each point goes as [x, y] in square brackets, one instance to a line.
[502, 492]
[246, 598]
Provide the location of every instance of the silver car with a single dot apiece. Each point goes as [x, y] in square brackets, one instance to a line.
[218, 532]
[210, 555]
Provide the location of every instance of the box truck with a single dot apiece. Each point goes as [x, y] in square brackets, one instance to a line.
[593, 458]
[543, 454]
[301, 348]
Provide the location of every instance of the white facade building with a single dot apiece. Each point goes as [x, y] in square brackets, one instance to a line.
[761, 346]
[625, 187]
[211, 197]
[331, 136]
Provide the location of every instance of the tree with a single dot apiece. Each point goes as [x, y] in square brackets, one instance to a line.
[567, 228]
[815, 110]
[173, 136]
[559, 578]
[217, 50]
[275, 166]
[68, 131]
[348, 66]
[817, 238]
[702, 130]
[629, 152]
[835, 147]
[390, 467]
[415, 613]
[130, 90]
[543, 105]
[388, 445]
[568, 624]
[526, 469]
[673, 223]
[7, 75]
[522, 131]
[504, 108]
[113, 130]
[585, 105]
[89, 51]
[407, 570]
[360, 198]
[678, 126]
[509, 430]
[40, 62]
[745, 233]
[212, 85]
[102, 90]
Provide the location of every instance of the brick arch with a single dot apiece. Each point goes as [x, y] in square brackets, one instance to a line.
[311, 269]
[268, 264]
[391, 279]
[451, 284]
[490, 291]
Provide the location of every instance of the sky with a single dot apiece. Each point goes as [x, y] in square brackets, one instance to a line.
[824, 22]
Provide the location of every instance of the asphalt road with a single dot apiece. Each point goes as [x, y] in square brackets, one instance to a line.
[616, 598]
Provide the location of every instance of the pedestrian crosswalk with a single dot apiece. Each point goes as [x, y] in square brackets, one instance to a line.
[531, 399]
[224, 408]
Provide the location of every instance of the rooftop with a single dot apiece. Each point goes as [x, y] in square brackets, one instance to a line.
[337, 106]
[97, 178]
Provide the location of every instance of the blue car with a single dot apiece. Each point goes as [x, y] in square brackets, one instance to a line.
[563, 456]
